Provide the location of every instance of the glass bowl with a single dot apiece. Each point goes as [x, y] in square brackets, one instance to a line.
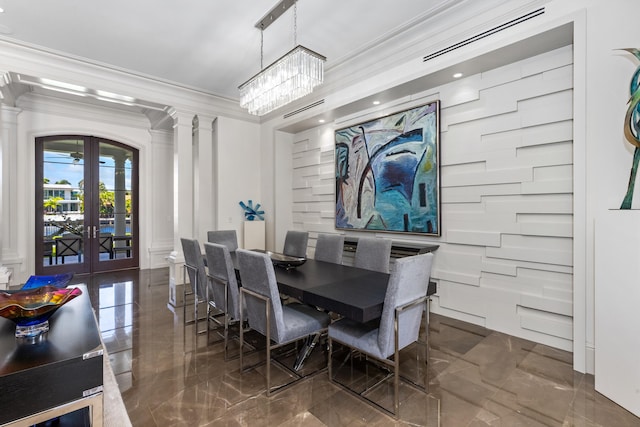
[286, 261]
[31, 309]
[57, 280]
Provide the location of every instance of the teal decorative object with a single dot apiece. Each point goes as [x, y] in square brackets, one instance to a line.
[632, 128]
[252, 213]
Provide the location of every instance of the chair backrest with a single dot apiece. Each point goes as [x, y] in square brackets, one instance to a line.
[221, 268]
[229, 238]
[329, 248]
[68, 246]
[295, 243]
[373, 254]
[48, 247]
[193, 258]
[257, 275]
[408, 282]
[106, 242]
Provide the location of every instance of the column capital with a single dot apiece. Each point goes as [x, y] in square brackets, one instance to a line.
[205, 122]
[9, 114]
[181, 118]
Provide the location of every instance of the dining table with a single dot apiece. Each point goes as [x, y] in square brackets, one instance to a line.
[351, 292]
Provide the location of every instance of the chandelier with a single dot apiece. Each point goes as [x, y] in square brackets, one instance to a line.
[292, 76]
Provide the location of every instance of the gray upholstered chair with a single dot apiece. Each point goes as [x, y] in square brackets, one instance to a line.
[373, 254]
[229, 238]
[329, 248]
[295, 243]
[280, 324]
[222, 281]
[399, 326]
[195, 268]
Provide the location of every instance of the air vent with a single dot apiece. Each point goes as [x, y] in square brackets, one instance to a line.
[300, 110]
[484, 34]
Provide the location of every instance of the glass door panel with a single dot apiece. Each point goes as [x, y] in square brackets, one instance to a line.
[116, 185]
[61, 241]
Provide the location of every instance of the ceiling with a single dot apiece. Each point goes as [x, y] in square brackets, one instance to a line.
[212, 46]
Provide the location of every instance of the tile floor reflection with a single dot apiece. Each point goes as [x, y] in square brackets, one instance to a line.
[477, 377]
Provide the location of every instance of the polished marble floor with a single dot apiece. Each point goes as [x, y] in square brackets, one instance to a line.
[477, 377]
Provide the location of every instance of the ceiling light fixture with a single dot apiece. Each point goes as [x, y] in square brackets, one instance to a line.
[77, 155]
[291, 77]
[376, 102]
[457, 75]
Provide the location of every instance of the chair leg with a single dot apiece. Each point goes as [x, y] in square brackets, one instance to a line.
[184, 295]
[195, 311]
[226, 322]
[268, 336]
[329, 365]
[207, 311]
[241, 298]
[396, 383]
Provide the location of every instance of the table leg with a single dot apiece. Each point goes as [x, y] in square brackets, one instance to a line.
[309, 344]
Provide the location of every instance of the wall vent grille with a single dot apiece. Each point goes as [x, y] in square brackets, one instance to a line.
[300, 110]
[486, 33]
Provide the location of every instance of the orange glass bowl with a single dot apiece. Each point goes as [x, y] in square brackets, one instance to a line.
[31, 309]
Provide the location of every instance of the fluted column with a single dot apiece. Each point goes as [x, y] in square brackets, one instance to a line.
[182, 200]
[8, 203]
[205, 209]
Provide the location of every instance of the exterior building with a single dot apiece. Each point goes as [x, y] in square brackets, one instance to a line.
[70, 203]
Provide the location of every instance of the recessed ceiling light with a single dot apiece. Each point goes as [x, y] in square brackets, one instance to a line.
[457, 75]
[376, 102]
[1, 10]
[321, 121]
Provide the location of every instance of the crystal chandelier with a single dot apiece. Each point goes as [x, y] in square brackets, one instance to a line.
[292, 76]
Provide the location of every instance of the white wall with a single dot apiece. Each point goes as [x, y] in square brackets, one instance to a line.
[505, 256]
[601, 158]
[238, 151]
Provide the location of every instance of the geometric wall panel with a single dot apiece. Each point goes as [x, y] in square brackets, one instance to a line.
[506, 143]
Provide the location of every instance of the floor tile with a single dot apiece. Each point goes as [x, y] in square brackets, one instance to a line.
[168, 376]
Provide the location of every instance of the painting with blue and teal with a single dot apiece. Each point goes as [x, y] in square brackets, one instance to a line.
[632, 128]
[252, 213]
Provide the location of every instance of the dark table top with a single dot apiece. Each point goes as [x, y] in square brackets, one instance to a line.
[353, 292]
[72, 333]
[63, 366]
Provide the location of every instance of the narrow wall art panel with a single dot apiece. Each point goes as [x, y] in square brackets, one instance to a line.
[388, 173]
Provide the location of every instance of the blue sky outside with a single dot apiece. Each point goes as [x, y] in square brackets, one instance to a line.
[59, 166]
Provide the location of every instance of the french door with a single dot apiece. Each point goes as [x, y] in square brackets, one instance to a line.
[86, 205]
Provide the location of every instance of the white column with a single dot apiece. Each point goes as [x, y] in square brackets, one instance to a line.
[205, 201]
[617, 297]
[120, 209]
[182, 201]
[8, 175]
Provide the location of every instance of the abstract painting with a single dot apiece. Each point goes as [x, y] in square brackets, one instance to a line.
[388, 173]
[632, 128]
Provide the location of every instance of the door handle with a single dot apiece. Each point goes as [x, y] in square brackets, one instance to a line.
[95, 231]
